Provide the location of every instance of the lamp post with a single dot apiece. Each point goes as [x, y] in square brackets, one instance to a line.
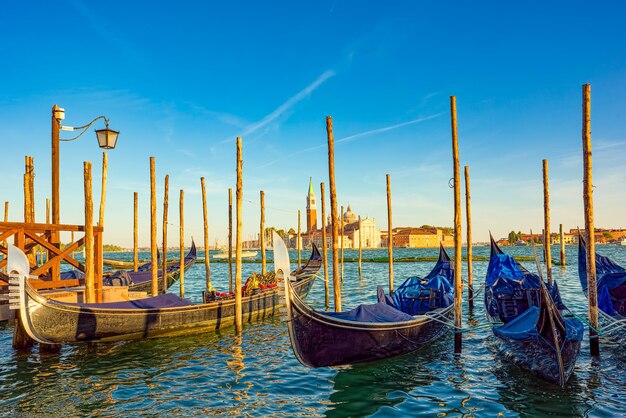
[107, 139]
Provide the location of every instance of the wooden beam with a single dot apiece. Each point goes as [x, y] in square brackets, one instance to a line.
[262, 233]
[458, 282]
[333, 211]
[103, 190]
[298, 241]
[181, 245]
[230, 240]
[390, 234]
[42, 227]
[546, 221]
[90, 293]
[166, 199]
[207, 266]
[135, 235]
[238, 282]
[592, 290]
[153, 230]
[324, 248]
[468, 214]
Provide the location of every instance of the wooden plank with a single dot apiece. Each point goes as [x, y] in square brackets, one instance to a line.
[43, 227]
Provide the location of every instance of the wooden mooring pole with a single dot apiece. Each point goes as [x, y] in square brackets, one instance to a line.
[458, 281]
[562, 242]
[181, 245]
[103, 190]
[546, 222]
[389, 234]
[6, 219]
[230, 240]
[29, 201]
[592, 290]
[205, 217]
[238, 307]
[468, 214]
[90, 292]
[262, 234]
[298, 242]
[333, 212]
[135, 233]
[360, 249]
[324, 248]
[166, 202]
[342, 241]
[153, 230]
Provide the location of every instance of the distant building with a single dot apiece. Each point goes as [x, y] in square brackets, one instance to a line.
[603, 235]
[311, 209]
[409, 237]
[367, 231]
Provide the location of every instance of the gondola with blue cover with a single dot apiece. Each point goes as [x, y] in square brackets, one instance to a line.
[414, 315]
[611, 289]
[525, 314]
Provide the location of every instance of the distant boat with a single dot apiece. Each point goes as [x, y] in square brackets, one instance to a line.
[520, 243]
[622, 241]
[224, 254]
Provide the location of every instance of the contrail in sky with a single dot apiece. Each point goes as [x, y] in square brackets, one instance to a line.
[291, 102]
[357, 136]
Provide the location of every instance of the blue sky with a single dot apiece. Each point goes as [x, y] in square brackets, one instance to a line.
[181, 80]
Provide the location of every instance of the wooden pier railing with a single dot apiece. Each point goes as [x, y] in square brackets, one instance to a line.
[26, 236]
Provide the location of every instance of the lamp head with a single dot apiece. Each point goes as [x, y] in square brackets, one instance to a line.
[107, 138]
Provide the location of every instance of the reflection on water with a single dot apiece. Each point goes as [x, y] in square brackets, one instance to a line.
[257, 374]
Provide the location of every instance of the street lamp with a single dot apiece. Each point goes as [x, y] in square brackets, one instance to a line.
[107, 139]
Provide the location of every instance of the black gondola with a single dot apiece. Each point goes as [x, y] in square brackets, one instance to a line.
[51, 322]
[141, 280]
[415, 315]
[611, 289]
[524, 312]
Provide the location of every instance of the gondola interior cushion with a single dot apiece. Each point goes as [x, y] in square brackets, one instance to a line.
[119, 278]
[167, 300]
[378, 312]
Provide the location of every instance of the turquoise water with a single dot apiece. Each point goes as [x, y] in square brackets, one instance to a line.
[257, 374]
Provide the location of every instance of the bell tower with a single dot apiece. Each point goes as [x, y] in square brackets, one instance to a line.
[311, 209]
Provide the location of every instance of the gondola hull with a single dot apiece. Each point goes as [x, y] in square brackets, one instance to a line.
[52, 322]
[142, 279]
[320, 341]
[539, 358]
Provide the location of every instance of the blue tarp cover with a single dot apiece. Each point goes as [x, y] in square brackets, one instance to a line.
[416, 295]
[405, 299]
[167, 300]
[524, 327]
[378, 312]
[609, 276]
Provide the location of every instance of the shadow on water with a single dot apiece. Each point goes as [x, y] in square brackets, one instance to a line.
[368, 389]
